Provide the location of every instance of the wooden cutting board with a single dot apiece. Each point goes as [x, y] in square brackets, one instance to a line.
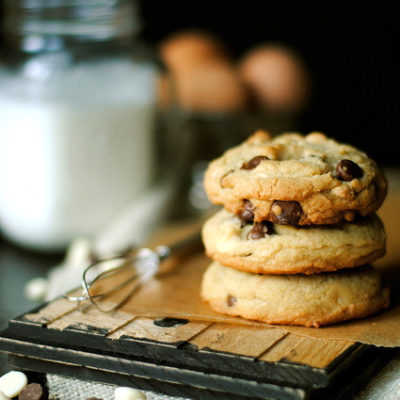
[186, 358]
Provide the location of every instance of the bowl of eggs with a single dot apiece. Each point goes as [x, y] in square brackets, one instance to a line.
[210, 102]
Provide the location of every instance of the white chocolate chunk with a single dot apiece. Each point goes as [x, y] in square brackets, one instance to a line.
[12, 383]
[127, 393]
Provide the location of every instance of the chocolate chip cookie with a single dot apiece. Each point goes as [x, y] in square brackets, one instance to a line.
[295, 180]
[267, 248]
[309, 300]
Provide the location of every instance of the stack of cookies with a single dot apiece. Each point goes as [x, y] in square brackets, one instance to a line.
[297, 233]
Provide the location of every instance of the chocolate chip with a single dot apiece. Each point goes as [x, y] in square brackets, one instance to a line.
[254, 162]
[285, 212]
[221, 182]
[33, 391]
[231, 300]
[246, 214]
[259, 230]
[347, 170]
[170, 322]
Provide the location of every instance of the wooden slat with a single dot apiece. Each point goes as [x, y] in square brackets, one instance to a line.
[145, 328]
[52, 311]
[92, 317]
[317, 353]
[243, 340]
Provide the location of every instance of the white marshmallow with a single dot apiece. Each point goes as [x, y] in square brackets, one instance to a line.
[36, 289]
[3, 396]
[12, 383]
[127, 393]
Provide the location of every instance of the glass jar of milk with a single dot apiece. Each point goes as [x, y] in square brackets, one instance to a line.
[77, 108]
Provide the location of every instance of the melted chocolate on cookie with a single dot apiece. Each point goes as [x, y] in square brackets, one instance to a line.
[286, 212]
[254, 162]
[347, 170]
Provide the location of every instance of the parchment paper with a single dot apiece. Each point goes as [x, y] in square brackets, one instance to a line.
[176, 294]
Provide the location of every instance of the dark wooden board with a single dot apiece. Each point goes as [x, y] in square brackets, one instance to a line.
[216, 358]
[196, 392]
[344, 387]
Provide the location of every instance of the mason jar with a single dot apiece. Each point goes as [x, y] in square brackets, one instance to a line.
[77, 116]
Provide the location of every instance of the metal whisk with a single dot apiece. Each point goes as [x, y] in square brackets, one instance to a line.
[144, 264]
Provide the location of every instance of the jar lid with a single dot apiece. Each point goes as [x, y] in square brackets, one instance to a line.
[91, 19]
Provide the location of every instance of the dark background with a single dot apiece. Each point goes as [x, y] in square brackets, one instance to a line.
[350, 48]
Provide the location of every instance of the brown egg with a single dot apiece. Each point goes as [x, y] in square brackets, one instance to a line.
[210, 87]
[186, 49]
[276, 77]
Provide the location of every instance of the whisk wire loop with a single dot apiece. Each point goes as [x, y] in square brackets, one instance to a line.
[145, 264]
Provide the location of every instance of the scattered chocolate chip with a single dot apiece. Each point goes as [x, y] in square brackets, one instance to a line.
[37, 377]
[33, 391]
[347, 170]
[231, 300]
[246, 214]
[285, 212]
[254, 162]
[259, 230]
[170, 322]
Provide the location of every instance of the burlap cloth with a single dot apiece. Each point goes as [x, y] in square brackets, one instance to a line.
[62, 388]
[384, 386]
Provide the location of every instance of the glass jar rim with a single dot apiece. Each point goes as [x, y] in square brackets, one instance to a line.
[96, 19]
